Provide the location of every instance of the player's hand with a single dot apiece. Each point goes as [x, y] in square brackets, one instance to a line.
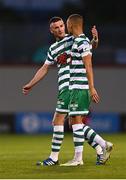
[94, 33]
[94, 95]
[26, 89]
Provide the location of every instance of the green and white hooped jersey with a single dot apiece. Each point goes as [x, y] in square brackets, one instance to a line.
[59, 53]
[81, 47]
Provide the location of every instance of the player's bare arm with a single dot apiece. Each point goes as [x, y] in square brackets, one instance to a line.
[94, 41]
[40, 74]
[88, 65]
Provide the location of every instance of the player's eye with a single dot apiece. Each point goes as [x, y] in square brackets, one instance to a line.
[56, 27]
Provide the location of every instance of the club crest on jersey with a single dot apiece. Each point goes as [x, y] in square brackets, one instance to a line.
[74, 106]
[63, 59]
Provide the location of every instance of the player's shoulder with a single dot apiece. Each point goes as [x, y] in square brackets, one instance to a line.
[52, 45]
[82, 39]
[69, 36]
[66, 38]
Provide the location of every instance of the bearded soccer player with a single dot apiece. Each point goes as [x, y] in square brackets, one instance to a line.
[59, 53]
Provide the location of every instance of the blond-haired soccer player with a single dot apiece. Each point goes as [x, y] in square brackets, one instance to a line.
[82, 89]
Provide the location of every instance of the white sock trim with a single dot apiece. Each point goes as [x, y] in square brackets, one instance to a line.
[99, 140]
[75, 127]
[79, 149]
[58, 128]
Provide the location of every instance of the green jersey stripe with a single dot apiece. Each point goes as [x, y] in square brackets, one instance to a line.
[69, 42]
[64, 85]
[63, 81]
[63, 73]
[56, 54]
[73, 66]
[82, 41]
[64, 77]
[78, 82]
[76, 58]
[78, 75]
[60, 51]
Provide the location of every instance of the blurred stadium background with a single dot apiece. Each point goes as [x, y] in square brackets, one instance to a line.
[24, 41]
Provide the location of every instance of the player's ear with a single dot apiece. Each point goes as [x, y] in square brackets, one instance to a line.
[70, 24]
[51, 30]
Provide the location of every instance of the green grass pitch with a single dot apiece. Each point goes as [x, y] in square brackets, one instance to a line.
[19, 153]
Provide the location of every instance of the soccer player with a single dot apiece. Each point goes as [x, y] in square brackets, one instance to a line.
[82, 88]
[59, 53]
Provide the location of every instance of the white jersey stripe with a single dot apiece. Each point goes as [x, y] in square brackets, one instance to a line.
[57, 49]
[65, 84]
[62, 110]
[77, 86]
[78, 112]
[64, 69]
[50, 57]
[54, 57]
[78, 70]
[63, 77]
[65, 39]
[75, 54]
[48, 62]
[77, 62]
[78, 79]
[86, 53]
[82, 46]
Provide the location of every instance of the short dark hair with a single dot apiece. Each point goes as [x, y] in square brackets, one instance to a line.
[75, 16]
[76, 19]
[55, 19]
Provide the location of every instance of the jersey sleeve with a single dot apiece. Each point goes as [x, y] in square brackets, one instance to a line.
[49, 60]
[85, 48]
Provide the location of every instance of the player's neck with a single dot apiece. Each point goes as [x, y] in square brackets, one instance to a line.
[77, 32]
[59, 38]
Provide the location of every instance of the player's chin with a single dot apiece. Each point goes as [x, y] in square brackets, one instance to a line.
[61, 35]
